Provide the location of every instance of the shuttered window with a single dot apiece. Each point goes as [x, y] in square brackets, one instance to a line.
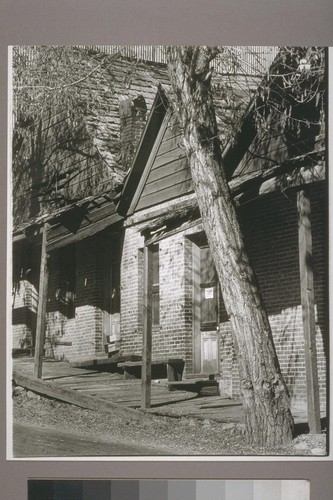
[156, 286]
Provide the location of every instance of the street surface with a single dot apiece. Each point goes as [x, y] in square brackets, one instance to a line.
[31, 441]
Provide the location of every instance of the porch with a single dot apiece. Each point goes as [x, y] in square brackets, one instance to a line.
[103, 391]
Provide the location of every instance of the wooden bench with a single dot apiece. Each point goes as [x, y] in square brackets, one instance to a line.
[18, 351]
[103, 361]
[193, 385]
[174, 368]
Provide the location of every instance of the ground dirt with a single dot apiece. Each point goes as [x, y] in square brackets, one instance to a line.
[163, 435]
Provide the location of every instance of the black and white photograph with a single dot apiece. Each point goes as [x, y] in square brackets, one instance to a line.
[169, 252]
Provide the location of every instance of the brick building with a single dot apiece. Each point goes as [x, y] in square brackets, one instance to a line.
[95, 304]
[189, 320]
[67, 169]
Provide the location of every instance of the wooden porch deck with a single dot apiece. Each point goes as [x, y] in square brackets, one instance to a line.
[95, 389]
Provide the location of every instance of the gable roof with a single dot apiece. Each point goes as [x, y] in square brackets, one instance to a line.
[256, 161]
[162, 172]
[160, 169]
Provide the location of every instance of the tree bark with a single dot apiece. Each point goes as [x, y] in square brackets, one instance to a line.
[265, 395]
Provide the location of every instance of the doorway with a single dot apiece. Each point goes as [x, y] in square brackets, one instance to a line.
[205, 310]
[111, 293]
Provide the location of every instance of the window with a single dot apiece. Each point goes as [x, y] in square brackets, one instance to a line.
[209, 288]
[65, 294]
[156, 286]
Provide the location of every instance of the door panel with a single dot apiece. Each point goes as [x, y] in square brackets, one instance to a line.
[209, 352]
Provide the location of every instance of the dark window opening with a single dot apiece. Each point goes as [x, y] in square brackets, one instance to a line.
[65, 293]
[110, 250]
[26, 263]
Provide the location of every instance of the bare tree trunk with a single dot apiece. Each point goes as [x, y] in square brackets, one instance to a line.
[265, 395]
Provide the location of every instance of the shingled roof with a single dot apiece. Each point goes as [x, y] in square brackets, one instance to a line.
[115, 80]
[65, 174]
[63, 160]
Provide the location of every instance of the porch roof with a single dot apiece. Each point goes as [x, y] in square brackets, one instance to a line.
[70, 224]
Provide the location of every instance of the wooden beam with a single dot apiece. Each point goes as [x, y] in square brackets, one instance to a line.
[56, 391]
[184, 228]
[147, 328]
[186, 202]
[41, 310]
[308, 311]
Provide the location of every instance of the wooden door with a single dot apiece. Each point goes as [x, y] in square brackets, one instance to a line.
[111, 295]
[205, 320]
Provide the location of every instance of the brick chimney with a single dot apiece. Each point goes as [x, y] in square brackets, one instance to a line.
[132, 113]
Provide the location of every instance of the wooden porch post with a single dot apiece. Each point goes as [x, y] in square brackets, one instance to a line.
[41, 309]
[308, 312]
[147, 329]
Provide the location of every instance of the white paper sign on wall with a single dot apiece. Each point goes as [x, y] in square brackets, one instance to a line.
[209, 293]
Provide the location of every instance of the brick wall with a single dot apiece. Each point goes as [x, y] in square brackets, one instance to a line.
[170, 338]
[84, 330]
[132, 292]
[270, 227]
[81, 326]
[21, 329]
[173, 336]
[23, 314]
[188, 305]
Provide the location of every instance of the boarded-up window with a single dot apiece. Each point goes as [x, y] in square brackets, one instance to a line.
[156, 286]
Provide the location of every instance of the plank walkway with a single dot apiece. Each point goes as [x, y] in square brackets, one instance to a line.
[103, 390]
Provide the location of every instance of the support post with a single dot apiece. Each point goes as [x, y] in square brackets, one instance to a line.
[308, 311]
[147, 329]
[41, 309]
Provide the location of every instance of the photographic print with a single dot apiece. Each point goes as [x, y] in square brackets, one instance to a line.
[143, 489]
[169, 251]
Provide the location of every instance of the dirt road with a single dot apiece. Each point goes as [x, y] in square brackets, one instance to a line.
[31, 441]
[46, 427]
